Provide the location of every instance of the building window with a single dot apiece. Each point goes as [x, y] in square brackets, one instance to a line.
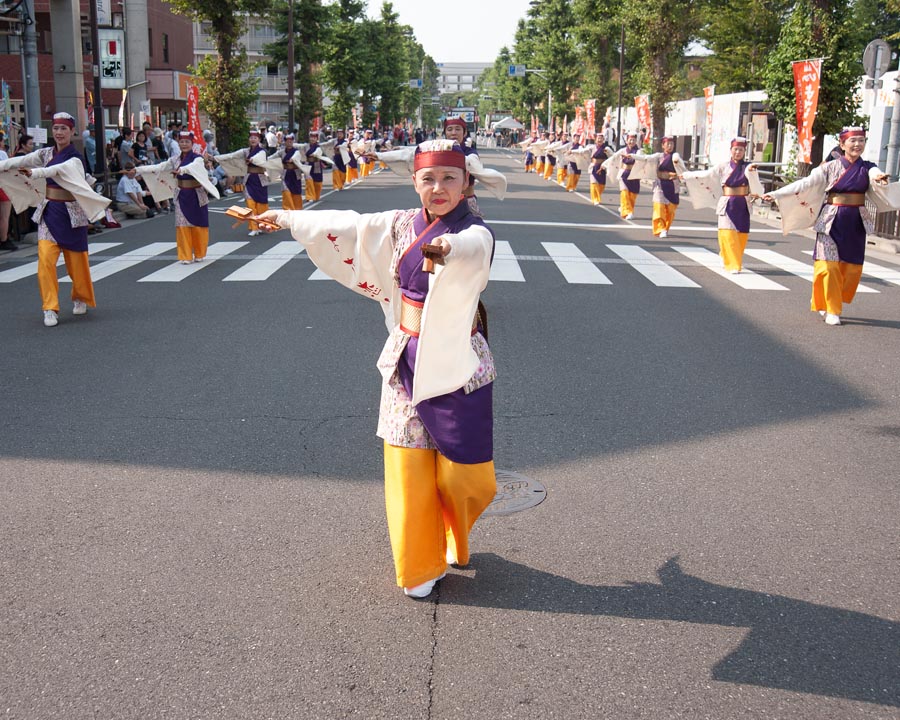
[165, 47]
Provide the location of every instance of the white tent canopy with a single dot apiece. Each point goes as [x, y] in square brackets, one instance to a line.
[507, 123]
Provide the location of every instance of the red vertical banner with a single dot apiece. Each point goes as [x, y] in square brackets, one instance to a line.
[807, 75]
[590, 109]
[193, 110]
[642, 105]
[709, 94]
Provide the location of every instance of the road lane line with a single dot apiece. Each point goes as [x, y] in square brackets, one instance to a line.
[881, 272]
[176, 272]
[795, 267]
[126, 260]
[505, 267]
[574, 264]
[264, 266]
[746, 279]
[23, 271]
[651, 267]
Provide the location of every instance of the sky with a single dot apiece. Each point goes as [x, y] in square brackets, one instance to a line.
[485, 26]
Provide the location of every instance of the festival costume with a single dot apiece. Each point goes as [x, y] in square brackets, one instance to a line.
[579, 160]
[832, 200]
[291, 181]
[341, 162]
[191, 190]
[67, 206]
[664, 168]
[727, 188]
[549, 161]
[436, 406]
[316, 172]
[598, 173]
[622, 162]
[256, 180]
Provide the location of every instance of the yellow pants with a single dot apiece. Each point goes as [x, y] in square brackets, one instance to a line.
[731, 247]
[562, 172]
[539, 167]
[313, 190]
[432, 504]
[572, 181]
[548, 170]
[627, 200]
[338, 177]
[663, 215]
[529, 167]
[364, 169]
[834, 283]
[291, 201]
[78, 268]
[192, 242]
[352, 174]
[597, 193]
[258, 209]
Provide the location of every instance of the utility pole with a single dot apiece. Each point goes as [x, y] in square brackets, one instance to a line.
[100, 169]
[31, 92]
[290, 62]
[621, 76]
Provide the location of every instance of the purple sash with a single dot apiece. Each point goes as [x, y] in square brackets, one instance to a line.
[56, 214]
[668, 186]
[291, 180]
[188, 200]
[847, 229]
[255, 189]
[461, 425]
[736, 207]
[633, 186]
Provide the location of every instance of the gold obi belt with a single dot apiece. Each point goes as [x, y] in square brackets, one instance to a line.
[188, 183]
[411, 317]
[846, 199]
[289, 165]
[739, 191]
[663, 175]
[59, 195]
[256, 170]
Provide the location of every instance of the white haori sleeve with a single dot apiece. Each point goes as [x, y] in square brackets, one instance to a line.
[70, 176]
[445, 359]
[234, 163]
[493, 180]
[318, 154]
[801, 201]
[613, 165]
[23, 191]
[197, 170]
[645, 166]
[756, 186]
[159, 179]
[400, 161]
[704, 187]
[885, 197]
[275, 166]
[345, 153]
[354, 249]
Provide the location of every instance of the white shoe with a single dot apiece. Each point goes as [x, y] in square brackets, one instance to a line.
[663, 234]
[832, 319]
[451, 557]
[629, 216]
[51, 318]
[198, 259]
[423, 590]
[79, 308]
[185, 262]
[822, 313]
[254, 233]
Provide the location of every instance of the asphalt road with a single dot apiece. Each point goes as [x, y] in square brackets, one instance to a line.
[191, 512]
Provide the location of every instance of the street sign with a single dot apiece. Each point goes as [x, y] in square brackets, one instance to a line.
[877, 58]
[415, 83]
[517, 71]
[112, 58]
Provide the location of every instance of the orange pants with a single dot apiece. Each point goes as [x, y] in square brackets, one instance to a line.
[572, 181]
[313, 190]
[834, 283]
[731, 247]
[78, 268]
[627, 200]
[338, 177]
[597, 192]
[192, 242]
[562, 172]
[258, 209]
[548, 170]
[365, 168]
[352, 174]
[663, 215]
[432, 504]
[539, 167]
[291, 201]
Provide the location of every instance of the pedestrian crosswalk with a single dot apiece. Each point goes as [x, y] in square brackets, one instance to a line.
[675, 266]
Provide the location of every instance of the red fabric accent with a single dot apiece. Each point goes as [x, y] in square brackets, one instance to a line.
[440, 158]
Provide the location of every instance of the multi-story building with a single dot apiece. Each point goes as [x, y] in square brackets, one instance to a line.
[459, 77]
[144, 33]
[272, 105]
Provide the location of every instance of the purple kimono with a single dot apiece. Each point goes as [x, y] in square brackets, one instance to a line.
[192, 203]
[316, 164]
[254, 186]
[667, 187]
[847, 229]
[56, 214]
[736, 207]
[291, 179]
[633, 186]
[597, 170]
[459, 423]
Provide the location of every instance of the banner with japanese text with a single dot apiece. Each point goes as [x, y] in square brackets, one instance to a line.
[193, 110]
[807, 75]
[642, 105]
[590, 109]
[709, 94]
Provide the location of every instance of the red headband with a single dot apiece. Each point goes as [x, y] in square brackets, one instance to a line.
[64, 120]
[455, 121]
[440, 158]
[852, 132]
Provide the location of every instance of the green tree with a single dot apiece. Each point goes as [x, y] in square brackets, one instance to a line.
[554, 53]
[818, 29]
[342, 58]
[666, 27]
[226, 91]
[740, 34]
[598, 34]
[311, 35]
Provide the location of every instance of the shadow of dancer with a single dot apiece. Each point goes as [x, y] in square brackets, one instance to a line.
[791, 644]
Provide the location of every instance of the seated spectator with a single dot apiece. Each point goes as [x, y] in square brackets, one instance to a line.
[130, 195]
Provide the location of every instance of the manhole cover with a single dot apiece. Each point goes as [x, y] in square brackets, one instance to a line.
[514, 493]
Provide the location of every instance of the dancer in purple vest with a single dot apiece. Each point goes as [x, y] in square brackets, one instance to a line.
[436, 405]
